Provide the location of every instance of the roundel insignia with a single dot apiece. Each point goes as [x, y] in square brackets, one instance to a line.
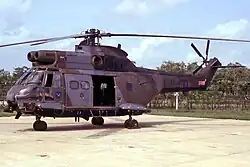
[58, 94]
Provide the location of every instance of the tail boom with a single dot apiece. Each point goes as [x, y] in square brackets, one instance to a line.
[191, 82]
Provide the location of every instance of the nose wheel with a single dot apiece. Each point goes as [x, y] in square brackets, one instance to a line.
[40, 125]
[131, 123]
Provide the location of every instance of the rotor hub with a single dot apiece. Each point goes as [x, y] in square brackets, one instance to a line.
[92, 31]
[92, 37]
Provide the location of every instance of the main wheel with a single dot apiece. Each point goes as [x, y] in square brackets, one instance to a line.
[97, 121]
[126, 123]
[40, 125]
[131, 124]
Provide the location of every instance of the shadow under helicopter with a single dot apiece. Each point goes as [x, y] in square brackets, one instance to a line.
[110, 126]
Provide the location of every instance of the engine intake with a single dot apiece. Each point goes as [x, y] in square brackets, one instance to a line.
[97, 62]
[42, 57]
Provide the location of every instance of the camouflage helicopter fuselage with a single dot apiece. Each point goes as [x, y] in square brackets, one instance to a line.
[64, 83]
[95, 81]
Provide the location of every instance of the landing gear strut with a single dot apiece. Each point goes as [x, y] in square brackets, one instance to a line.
[131, 123]
[39, 125]
[97, 121]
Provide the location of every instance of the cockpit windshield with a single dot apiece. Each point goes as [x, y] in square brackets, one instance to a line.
[31, 77]
[23, 77]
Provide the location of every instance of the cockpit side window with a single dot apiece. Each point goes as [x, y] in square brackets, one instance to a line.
[23, 77]
[49, 80]
[34, 77]
[56, 80]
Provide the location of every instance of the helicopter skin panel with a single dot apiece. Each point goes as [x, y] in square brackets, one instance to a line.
[122, 110]
[90, 113]
[136, 88]
[142, 87]
[78, 90]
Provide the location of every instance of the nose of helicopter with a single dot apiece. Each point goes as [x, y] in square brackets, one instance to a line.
[10, 98]
[19, 92]
[13, 91]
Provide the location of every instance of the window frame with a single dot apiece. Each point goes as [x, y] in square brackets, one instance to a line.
[78, 85]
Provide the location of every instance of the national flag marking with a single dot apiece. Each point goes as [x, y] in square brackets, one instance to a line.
[202, 83]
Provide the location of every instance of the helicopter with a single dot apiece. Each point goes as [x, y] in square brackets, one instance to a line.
[98, 80]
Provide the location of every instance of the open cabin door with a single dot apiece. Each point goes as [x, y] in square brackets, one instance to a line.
[103, 91]
[78, 91]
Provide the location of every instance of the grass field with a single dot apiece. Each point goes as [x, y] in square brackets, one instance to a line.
[239, 115]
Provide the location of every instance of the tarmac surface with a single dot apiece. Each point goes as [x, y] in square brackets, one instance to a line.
[159, 142]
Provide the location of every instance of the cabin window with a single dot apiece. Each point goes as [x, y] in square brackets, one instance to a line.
[56, 81]
[74, 85]
[49, 80]
[85, 85]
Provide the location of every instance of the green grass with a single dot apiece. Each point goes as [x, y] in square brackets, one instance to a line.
[239, 115]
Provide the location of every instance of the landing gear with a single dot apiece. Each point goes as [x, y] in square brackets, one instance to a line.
[97, 121]
[39, 125]
[131, 123]
[77, 119]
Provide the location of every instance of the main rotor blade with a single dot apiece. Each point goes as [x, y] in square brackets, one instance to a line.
[42, 41]
[176, 36]
[197, 51]
[45, 40]
[227, 66]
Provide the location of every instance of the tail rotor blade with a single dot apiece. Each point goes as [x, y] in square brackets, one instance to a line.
[197, 51]
[207, 49]
[198, 69]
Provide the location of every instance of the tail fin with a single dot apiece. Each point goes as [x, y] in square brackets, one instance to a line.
[209, 71]
[211, 66]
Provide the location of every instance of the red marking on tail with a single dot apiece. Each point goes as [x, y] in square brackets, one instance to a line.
[202, 83]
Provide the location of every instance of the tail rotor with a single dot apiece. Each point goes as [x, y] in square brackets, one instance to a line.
[205, 59]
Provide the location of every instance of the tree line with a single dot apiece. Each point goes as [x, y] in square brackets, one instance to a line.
[229, 88]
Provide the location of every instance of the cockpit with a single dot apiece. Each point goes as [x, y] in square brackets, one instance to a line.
[32, 76]
[33, 82]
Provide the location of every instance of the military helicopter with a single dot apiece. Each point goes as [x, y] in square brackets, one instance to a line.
[98, 81]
